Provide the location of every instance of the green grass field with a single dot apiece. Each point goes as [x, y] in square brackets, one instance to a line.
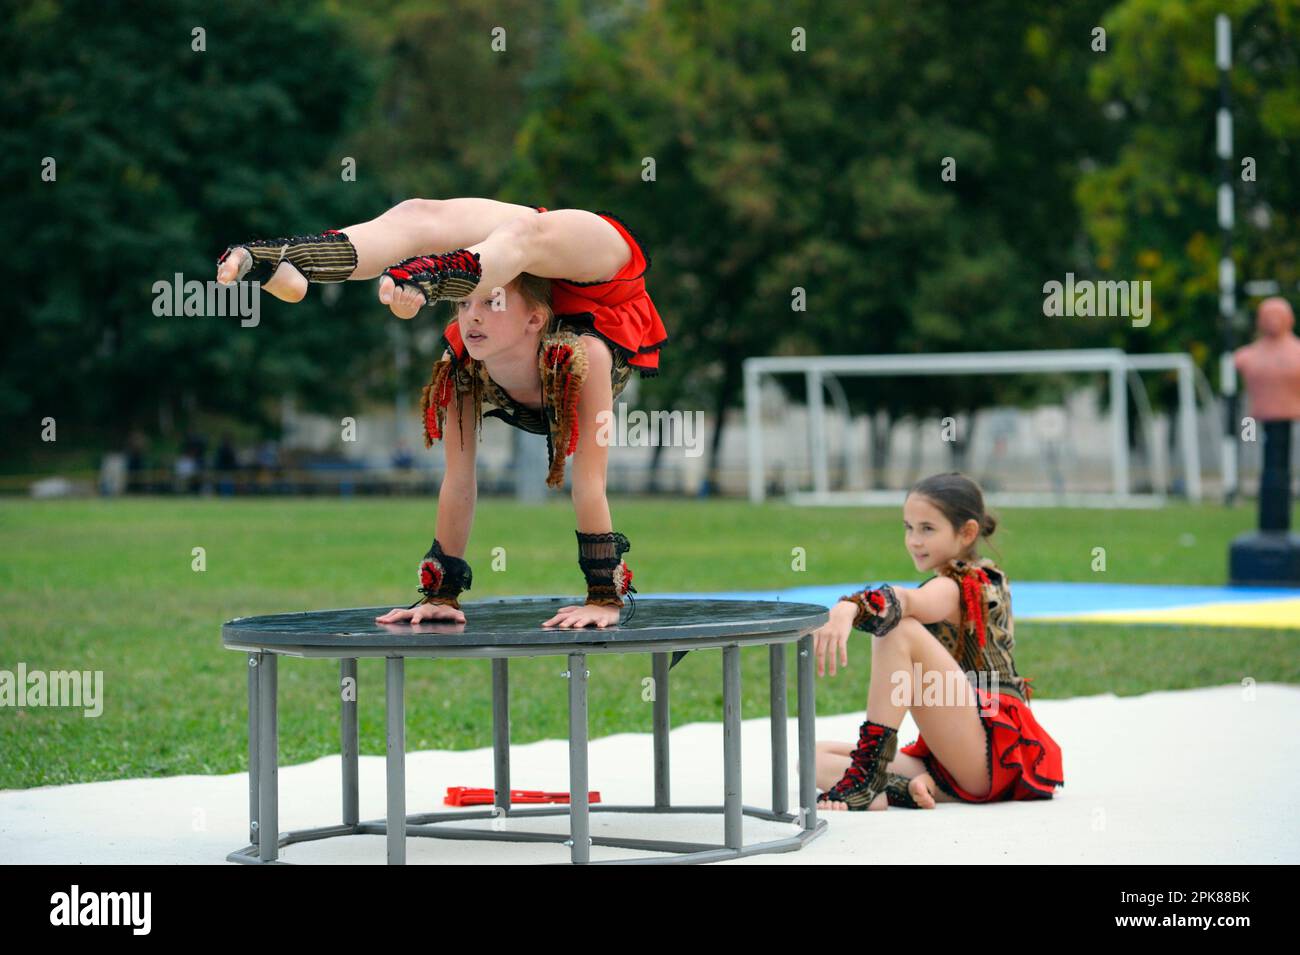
[108, 585]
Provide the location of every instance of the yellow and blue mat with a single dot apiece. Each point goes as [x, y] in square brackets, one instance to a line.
[1263, 607]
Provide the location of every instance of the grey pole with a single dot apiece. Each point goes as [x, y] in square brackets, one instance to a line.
[501, 732]
[807, 731]
[661, 730]
[732, 806]
[1227, 268]
[394, 690]
[348, 749]
[754, 431]
[253, 793]
[579, 809]
[780, 748]
[268, 816]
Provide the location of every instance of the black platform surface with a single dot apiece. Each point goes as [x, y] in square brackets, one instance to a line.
[516, 622]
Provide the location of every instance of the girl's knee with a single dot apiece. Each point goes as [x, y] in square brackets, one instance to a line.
[907, 630]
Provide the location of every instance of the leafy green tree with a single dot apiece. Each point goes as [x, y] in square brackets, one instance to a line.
[1150, 209]
[165, 153]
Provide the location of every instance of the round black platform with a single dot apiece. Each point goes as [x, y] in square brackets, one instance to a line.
[514, 622]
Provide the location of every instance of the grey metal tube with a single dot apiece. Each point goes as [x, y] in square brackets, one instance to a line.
[349, 745]
[268, 815]
[733, 811]
[780, 746]
[807, 734]
[501, 732]
[579, 810]
[253, 793]
[659, 672]
[394, 689]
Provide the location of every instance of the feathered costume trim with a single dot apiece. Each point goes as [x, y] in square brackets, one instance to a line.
[562, 363]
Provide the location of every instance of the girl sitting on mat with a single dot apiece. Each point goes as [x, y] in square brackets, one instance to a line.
[551, 315]
[980, 741]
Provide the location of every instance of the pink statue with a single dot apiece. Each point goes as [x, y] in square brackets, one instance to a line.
[1271, 364]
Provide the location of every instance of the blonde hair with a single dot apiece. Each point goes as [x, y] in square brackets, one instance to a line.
[537, 294]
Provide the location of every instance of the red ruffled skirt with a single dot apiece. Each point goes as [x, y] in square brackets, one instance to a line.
[1025, 761]
[620, 310]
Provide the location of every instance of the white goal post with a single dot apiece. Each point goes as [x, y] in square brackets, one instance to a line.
[1115, 363]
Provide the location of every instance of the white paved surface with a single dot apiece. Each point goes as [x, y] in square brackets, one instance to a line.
[1187, 776]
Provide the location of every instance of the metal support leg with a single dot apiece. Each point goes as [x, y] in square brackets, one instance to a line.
[348, 747]
[579, 811]
[501, 733]
[254, 659]
[807, 734]
[394, 689]
[732, 808]
[661, 727]
[268, 742]
[780, 752]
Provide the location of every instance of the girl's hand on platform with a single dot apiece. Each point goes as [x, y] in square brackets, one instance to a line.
[422, 614]
[583, 615]
[833, 638]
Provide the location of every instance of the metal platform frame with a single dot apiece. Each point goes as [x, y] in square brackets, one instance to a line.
[263, 789]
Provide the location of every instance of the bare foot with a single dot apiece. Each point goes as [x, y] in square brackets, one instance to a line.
[404, 300]
[922, 789]
[287, 284]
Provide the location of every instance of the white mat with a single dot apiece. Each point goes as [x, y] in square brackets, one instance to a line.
[1187, 776]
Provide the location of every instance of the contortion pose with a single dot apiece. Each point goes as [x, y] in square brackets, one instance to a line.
[551, 316]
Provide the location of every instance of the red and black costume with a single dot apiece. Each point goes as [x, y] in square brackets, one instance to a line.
[1024, 761]
[619, 312]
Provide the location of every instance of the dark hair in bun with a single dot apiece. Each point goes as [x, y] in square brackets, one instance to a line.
[959, 499]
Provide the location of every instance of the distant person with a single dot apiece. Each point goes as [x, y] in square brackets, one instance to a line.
[225, 464]
[403, 459]
[136, 463]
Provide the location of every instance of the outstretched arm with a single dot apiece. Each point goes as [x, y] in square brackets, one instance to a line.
[936, 600]
[459, 491]
[456, 499]
[590, 459]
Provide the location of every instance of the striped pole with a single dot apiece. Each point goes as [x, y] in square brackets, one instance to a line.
[1227, 269]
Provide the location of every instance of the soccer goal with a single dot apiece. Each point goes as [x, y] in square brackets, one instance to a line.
[1070, 454]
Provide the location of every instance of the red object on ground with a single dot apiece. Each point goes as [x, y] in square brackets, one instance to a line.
[469, 796]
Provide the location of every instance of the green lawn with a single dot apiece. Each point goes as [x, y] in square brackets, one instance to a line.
[108, 585]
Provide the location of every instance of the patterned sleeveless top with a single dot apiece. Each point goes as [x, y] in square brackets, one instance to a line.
[562, 364]
[985, 640]
[535, 420]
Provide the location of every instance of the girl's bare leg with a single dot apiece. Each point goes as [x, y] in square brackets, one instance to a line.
[560, 244]
[953, 729]
[412, 227]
